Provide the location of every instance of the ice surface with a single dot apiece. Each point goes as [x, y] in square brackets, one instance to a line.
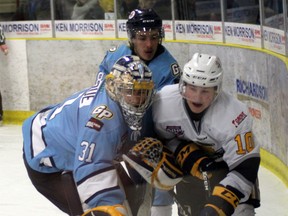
[19, 197]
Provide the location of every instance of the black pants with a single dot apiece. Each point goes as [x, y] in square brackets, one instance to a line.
[191, 192]
[192, 195]
[51, 186]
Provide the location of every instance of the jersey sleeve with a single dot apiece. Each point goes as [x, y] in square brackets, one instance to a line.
[95, 174]
[97, 147]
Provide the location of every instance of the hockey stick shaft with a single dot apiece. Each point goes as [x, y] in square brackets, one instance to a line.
[179, 205]
[206, 184]
[145, 207]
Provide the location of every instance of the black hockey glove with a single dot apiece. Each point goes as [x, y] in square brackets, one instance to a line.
[193, 160]
[223, 201]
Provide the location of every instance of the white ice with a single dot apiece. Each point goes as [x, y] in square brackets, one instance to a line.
[19, 197]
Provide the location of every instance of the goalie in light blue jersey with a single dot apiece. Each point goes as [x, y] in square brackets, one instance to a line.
[70, 148]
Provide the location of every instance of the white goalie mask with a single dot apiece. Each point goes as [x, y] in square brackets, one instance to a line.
[130, 85]
[202, 70]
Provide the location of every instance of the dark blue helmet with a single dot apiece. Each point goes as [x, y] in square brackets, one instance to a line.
[143, 20]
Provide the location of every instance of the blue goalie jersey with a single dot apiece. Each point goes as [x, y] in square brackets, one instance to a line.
[83, 134]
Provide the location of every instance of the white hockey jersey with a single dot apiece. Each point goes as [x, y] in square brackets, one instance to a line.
[224, 130]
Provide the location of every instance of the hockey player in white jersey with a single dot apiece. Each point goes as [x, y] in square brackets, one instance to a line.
[199, 111]
[83, 136]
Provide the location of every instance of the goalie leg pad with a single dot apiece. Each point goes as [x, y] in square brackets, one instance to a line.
[155, 163]
[116, 210]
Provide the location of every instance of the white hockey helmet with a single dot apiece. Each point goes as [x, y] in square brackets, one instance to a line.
[202, 70]
[130, 74]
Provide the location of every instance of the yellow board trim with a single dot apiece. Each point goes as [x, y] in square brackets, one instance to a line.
[275, 165]
[280, 56]
[15, 117]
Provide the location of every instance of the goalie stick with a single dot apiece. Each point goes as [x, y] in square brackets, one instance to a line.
[207, 188]
[145, 207]
[144, 191]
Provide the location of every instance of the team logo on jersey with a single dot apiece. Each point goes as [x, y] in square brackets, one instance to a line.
[101, 112]
[240, 118]
[176, 130]
[94, 124]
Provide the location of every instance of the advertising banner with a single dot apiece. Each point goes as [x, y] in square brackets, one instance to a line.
[121, 27]
[168, 29]
[85, 29]
[243, 34]
[196, 30]
[27, 29]
[274, 40]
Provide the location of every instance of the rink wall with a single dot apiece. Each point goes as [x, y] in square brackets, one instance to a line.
[37, 73]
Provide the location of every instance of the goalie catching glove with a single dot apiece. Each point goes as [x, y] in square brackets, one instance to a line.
[155, 163]
[116, 210]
